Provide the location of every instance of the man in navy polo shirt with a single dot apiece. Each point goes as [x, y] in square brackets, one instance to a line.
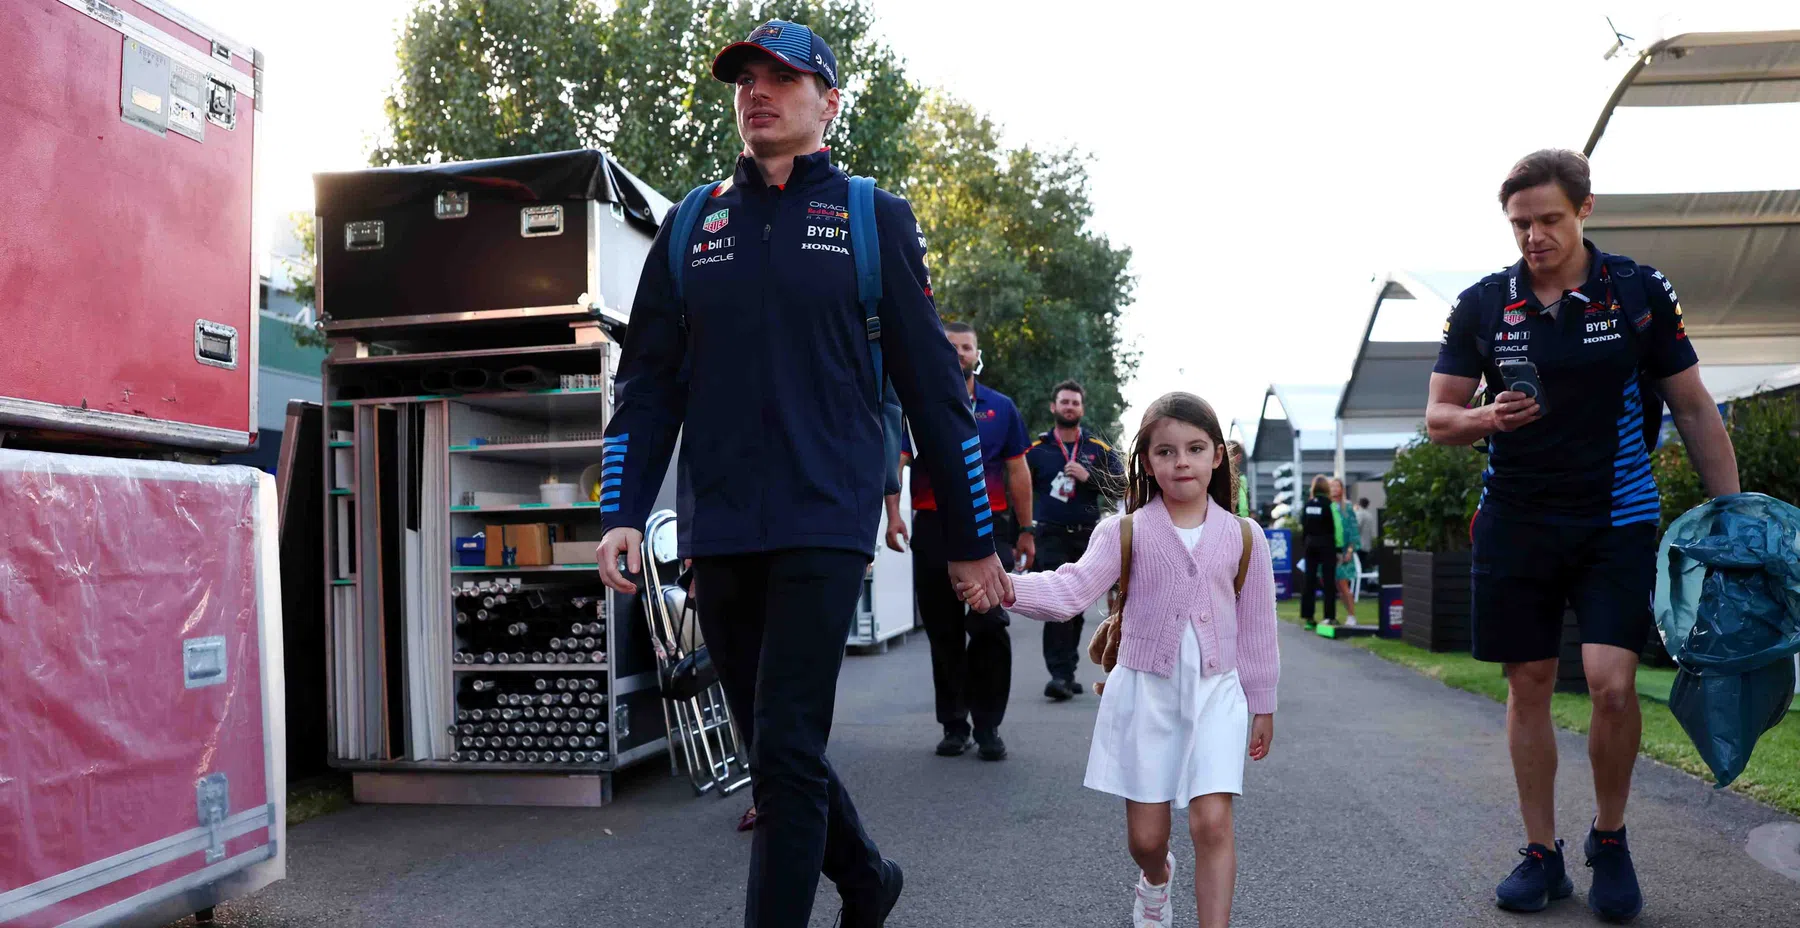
[766, 371]
[971, 653]
[1569, 512]
[1071, 469]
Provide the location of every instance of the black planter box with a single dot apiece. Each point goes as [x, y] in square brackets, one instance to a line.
[1435, 591]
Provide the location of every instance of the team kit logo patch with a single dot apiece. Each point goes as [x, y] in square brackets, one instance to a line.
[1513, 316]
[716, 221]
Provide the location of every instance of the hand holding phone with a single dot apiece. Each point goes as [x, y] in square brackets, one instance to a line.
[1523, 402]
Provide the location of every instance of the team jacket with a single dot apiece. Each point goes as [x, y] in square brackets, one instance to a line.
[767, 376]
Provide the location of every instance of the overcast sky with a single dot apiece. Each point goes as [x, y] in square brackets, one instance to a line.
[1262, 161]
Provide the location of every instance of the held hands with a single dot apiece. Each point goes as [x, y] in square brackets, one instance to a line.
[1262, 731]
[1509, 411]
[982, 584]
[1074, 469]
[628, 542]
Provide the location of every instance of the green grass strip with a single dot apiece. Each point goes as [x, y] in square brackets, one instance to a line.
[1773, 776]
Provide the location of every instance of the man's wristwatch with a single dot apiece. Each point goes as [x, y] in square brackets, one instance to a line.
[1028, 528]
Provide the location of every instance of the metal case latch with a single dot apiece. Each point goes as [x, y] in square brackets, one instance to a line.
[215, 344]
[221, 104]
[452, 204]
[539, 221]
[212, 803]
[365, 236]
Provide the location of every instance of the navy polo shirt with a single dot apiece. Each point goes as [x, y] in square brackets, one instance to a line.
[1585, 462]
[1047, 458]
[1002, 433]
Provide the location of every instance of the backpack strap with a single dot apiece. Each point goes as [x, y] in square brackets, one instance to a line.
[1237, 585]
[1634, 302]
[1124, 587]
[686, 215]
[865, 247]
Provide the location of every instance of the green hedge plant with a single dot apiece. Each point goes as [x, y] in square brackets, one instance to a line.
[1432, 491]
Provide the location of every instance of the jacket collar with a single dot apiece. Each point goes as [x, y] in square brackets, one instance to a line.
[808, 169]
[1154, 517]
[1050, 436]
[1518, 282]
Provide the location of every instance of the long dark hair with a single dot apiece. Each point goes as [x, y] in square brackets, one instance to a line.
[1141, 487]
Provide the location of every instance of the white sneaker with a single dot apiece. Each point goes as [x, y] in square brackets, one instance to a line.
[1349, 620]
[1150, 905]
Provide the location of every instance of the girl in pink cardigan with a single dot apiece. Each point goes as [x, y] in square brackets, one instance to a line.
[1195, 681]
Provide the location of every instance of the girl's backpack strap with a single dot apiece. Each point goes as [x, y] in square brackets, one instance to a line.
[1124, 560]
[1237, 585]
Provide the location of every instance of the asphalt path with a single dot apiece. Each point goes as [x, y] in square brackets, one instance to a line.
[1387, 800]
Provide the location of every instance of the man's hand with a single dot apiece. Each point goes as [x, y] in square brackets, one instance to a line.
[989, 578]
[1026, 549]
[1262, 731]
[897, 536]
[896, 531]
[1074, 469]
[621, 540]
[1509, 411]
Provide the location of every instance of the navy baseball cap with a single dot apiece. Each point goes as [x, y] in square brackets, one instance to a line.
[789, 43]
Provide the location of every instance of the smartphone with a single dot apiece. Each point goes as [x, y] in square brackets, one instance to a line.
[1521, 376]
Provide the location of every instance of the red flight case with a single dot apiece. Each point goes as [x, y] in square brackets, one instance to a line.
[128, 283]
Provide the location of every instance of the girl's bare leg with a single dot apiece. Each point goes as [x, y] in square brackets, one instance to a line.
[1345, 598]
[1147, 836]
[1215, 858]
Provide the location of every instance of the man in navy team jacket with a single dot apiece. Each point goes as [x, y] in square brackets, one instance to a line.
[765, 369]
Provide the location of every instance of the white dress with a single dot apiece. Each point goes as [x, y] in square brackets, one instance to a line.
[1169, 740]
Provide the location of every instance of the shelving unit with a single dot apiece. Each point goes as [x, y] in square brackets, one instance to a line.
[398, 554]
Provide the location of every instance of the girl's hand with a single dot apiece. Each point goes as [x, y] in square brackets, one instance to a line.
[1262, 731]
[974, 595]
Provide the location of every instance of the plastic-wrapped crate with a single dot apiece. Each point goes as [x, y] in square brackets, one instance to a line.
[142, 774]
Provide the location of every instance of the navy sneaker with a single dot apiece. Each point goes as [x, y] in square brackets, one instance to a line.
[1538, 879]
[1614, 894]
[872, 911]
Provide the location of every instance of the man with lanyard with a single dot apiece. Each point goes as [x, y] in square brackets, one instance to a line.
[1570, 510]
[971, 653]
[1070, 471]
[764, 366]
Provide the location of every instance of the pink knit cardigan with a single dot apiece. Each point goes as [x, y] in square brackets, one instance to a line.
[1170, 585]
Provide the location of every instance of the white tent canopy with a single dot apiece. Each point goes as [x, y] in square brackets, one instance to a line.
[1388, 381]
[1733, 256]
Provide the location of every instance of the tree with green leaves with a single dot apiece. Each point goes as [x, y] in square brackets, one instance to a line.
[1010, 251]
[1011, 254]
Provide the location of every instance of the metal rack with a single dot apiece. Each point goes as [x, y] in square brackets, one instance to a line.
[377, 421]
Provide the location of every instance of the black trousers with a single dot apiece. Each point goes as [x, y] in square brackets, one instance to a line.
[775, 625]
[1058, 545]
[1321, 570]
[971, 653]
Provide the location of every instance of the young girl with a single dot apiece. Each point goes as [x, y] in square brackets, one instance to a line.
[1195, 681]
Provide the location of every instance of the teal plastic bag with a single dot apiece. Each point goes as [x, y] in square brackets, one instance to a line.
[1728, 611]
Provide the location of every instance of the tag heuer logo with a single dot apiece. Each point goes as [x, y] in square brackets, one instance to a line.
[716, 221]
[1513, 318]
